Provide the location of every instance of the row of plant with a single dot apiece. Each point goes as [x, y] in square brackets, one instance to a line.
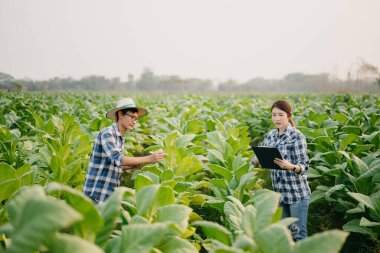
[206, 178]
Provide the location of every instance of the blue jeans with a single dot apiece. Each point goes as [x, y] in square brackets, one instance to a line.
[297, 210]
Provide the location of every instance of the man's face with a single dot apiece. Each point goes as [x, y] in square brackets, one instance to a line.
[129, 120]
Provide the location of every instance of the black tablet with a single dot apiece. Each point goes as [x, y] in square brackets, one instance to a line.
[266, 156]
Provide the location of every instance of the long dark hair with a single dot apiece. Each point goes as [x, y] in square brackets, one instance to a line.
[284, 106]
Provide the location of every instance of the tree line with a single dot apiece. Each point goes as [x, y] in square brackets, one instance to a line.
[149, 82]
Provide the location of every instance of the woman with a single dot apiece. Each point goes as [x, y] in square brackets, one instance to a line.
[291, 181]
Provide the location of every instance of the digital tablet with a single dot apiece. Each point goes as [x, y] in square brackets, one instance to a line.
[266, 156]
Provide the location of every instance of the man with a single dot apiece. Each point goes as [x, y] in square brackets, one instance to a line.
[107, 160]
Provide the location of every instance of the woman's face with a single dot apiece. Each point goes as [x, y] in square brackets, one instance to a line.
[280, 118]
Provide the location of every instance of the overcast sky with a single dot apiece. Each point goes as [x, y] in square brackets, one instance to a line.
[216, 39]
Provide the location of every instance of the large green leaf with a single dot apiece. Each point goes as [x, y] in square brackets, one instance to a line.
[92, 222]
[142, 238]
[150, 198]
[214, 154]
[177, 214]
[175, 244]
[265, 209]
[142, 181]
[248, 221]
[184, 140]
[37, 218]
[361, 198]
[110, 211]
[214, 231]
[63, 243]
[326, 242]
[6, 172]
[348, 140]
[274, 239]
[184, 165]
[367, 223]
[354, 226]
[225, 173]
[7, 188]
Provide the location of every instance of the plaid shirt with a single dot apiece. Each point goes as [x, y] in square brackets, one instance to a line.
[105, 166]
[293, 148]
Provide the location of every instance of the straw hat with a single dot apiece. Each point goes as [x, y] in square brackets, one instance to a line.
[125, 103]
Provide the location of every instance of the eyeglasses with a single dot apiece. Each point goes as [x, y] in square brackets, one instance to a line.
[133, 118]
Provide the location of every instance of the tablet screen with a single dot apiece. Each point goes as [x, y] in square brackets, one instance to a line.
[266, 156]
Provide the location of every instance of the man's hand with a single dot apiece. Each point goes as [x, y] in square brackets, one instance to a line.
[157, 156]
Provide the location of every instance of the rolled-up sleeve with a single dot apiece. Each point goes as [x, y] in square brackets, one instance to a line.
[111, 148]
[301, 156]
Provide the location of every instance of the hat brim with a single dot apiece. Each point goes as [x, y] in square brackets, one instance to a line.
[141, 112]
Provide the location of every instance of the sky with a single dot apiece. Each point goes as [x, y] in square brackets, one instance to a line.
[210, 39]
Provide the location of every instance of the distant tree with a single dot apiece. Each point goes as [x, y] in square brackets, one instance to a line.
[147, 80]
[362, 71]
[228, 85]
[17, 86]
[131, 82]
[6, 81]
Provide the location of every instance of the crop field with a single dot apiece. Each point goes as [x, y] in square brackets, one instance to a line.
[204, 196]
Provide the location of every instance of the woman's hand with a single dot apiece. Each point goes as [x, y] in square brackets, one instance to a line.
[255, 162]
[283, 164]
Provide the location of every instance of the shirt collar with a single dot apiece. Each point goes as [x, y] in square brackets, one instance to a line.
[287, 131]
[114, 125]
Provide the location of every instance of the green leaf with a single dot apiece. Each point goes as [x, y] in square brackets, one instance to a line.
[361, 198]
[354, 226]
[359, 165]
[185, 164]
[274, 239]
[340, 117]
[214, 231]
[110, 211]
[142, 181]
[367, 223]
[171, 139]
[347, 140]
[26, 174]
[352, 129]
[38, 218]
[265, 209]
[63, 243]
[370, 173]
[248, 222]
[141, 237]
[212, 153]
[326, 242]
[7, 188]
[184, 140]
[234, 215]
[150, 198]
[92, 220]
[177, 214]
[332, 190]
[6, 172]
[175, 244]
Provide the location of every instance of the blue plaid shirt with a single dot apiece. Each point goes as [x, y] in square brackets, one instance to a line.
[105, 166]
[293, 148]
